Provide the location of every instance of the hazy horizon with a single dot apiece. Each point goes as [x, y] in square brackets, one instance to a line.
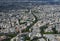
[29, 0]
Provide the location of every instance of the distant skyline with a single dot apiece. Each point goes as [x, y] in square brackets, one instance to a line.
[29, 0]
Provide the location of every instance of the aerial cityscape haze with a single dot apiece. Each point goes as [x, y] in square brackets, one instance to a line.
[29, 20]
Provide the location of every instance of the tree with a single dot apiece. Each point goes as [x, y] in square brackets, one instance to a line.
[54, 30]
[42, 28]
